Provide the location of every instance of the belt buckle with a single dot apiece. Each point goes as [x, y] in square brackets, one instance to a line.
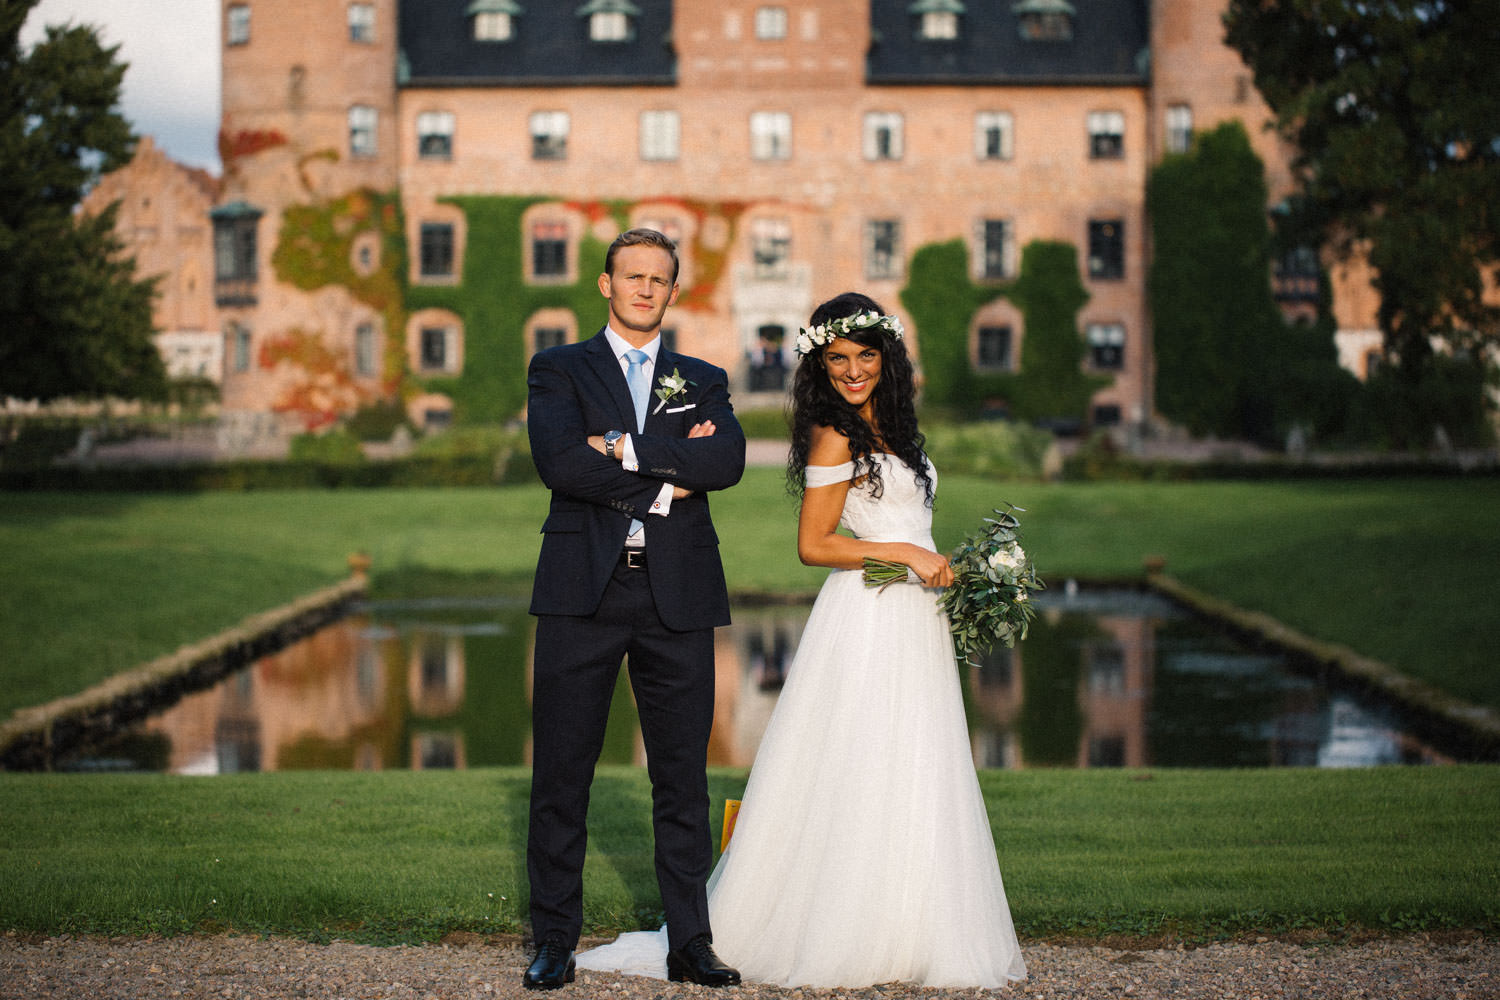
[635, 558]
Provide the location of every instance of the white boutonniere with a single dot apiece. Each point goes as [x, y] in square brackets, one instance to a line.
[670, 387]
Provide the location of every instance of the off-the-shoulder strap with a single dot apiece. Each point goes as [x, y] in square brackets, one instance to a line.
[827, 475]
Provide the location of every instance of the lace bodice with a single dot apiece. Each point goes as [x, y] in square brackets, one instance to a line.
[899, 514]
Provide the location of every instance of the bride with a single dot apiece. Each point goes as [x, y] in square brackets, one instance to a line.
[862, 853]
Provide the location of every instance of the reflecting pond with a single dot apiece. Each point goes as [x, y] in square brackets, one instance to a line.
[1110, 678]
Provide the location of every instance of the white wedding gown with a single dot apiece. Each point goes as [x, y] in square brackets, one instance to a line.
[862, 852]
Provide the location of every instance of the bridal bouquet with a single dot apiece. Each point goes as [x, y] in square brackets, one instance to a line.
[993, 578]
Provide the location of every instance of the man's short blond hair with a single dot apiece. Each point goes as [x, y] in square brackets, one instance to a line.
[642, 238]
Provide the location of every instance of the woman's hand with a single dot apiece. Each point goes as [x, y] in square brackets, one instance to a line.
[933, 569]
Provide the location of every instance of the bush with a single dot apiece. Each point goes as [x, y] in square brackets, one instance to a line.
[377, 421]
[998, 449]
[335, 447]
[764, 423]
[506, 451]
[1400, 412]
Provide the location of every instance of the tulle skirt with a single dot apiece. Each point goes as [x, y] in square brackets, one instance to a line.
[862, 853]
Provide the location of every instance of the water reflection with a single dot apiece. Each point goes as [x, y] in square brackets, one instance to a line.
[1107, 679]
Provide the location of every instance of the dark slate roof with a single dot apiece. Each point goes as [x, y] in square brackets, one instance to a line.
[1109, 46]
[551, 47]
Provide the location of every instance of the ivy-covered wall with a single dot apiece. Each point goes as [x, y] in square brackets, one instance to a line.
[495, 301]
[316, 250]
[942, 299]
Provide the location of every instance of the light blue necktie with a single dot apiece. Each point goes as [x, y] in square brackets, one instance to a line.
[635, 377]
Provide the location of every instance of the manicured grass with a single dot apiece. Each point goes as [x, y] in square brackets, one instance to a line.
[404, 856]
[1401, 570]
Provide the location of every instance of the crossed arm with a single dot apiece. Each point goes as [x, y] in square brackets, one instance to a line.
[571, 461]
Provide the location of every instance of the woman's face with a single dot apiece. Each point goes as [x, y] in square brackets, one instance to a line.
[854, 370]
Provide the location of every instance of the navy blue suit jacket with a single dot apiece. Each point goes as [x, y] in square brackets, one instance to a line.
[577, 390]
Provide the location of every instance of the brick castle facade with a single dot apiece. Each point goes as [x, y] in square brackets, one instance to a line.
[415, 196]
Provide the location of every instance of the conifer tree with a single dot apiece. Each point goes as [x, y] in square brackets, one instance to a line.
[74, 321]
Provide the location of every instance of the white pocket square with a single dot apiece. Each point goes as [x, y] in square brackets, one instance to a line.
[679, 409]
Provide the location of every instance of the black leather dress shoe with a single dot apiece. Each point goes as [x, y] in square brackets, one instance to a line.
[552, 967]
[696, 962]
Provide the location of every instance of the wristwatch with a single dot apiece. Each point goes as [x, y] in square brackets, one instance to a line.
[610, 437]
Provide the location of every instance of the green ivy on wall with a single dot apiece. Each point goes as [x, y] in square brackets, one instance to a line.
[317, 250]
[495, 301]
[942, 299]
[1051, 381]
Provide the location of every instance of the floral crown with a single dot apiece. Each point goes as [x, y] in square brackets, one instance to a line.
[826, 333]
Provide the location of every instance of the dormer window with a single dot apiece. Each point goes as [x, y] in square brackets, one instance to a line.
[610, 20]
[494, 20]
[937, 20]
[1044, 20]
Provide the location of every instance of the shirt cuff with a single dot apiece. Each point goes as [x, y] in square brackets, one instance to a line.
[663, 503]
[628, 461]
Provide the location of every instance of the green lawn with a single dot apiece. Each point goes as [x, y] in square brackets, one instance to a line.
[1401, 570]
[413, 855]
[1398, 569]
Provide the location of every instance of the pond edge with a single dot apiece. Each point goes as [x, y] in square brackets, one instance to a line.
[1437, 710]
[32, 738]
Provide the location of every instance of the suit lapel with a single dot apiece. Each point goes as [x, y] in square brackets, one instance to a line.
[607, 367]
[666, 363]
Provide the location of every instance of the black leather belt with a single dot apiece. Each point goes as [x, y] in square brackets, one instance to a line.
[633, 558]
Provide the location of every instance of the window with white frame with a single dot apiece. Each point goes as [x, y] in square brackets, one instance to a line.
[549, 135]
[438, 349]
[770, 23]
[1106, 248]
[1106, 135]
[1106, 345]
[994, 135]
[939, 26]
[435, 135]
[771, 243]
[493, 26]
[237, 24]
[362, 137]
[365, 354]
[549, 250]
[435, 250]
[882, 140]
[494, 20]
[771, 135]
[883, 248]
[997, 249]
[609, 26]
[993, 348]
[362, 22]
[544, 337]
[661, 135]
[1179, 128]
[239, 346]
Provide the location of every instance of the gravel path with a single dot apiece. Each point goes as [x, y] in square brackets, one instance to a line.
[1454, 967]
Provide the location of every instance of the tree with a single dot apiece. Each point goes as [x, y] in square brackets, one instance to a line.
[74, 322]
[1227, 363]
[1394, 109]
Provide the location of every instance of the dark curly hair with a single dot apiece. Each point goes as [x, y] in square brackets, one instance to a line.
[814, 402]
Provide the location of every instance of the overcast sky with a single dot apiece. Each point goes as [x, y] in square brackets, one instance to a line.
[171, 89]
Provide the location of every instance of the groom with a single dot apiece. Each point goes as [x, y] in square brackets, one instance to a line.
[630, 438]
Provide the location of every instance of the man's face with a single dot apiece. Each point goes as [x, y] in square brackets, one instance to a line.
[639, 290]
